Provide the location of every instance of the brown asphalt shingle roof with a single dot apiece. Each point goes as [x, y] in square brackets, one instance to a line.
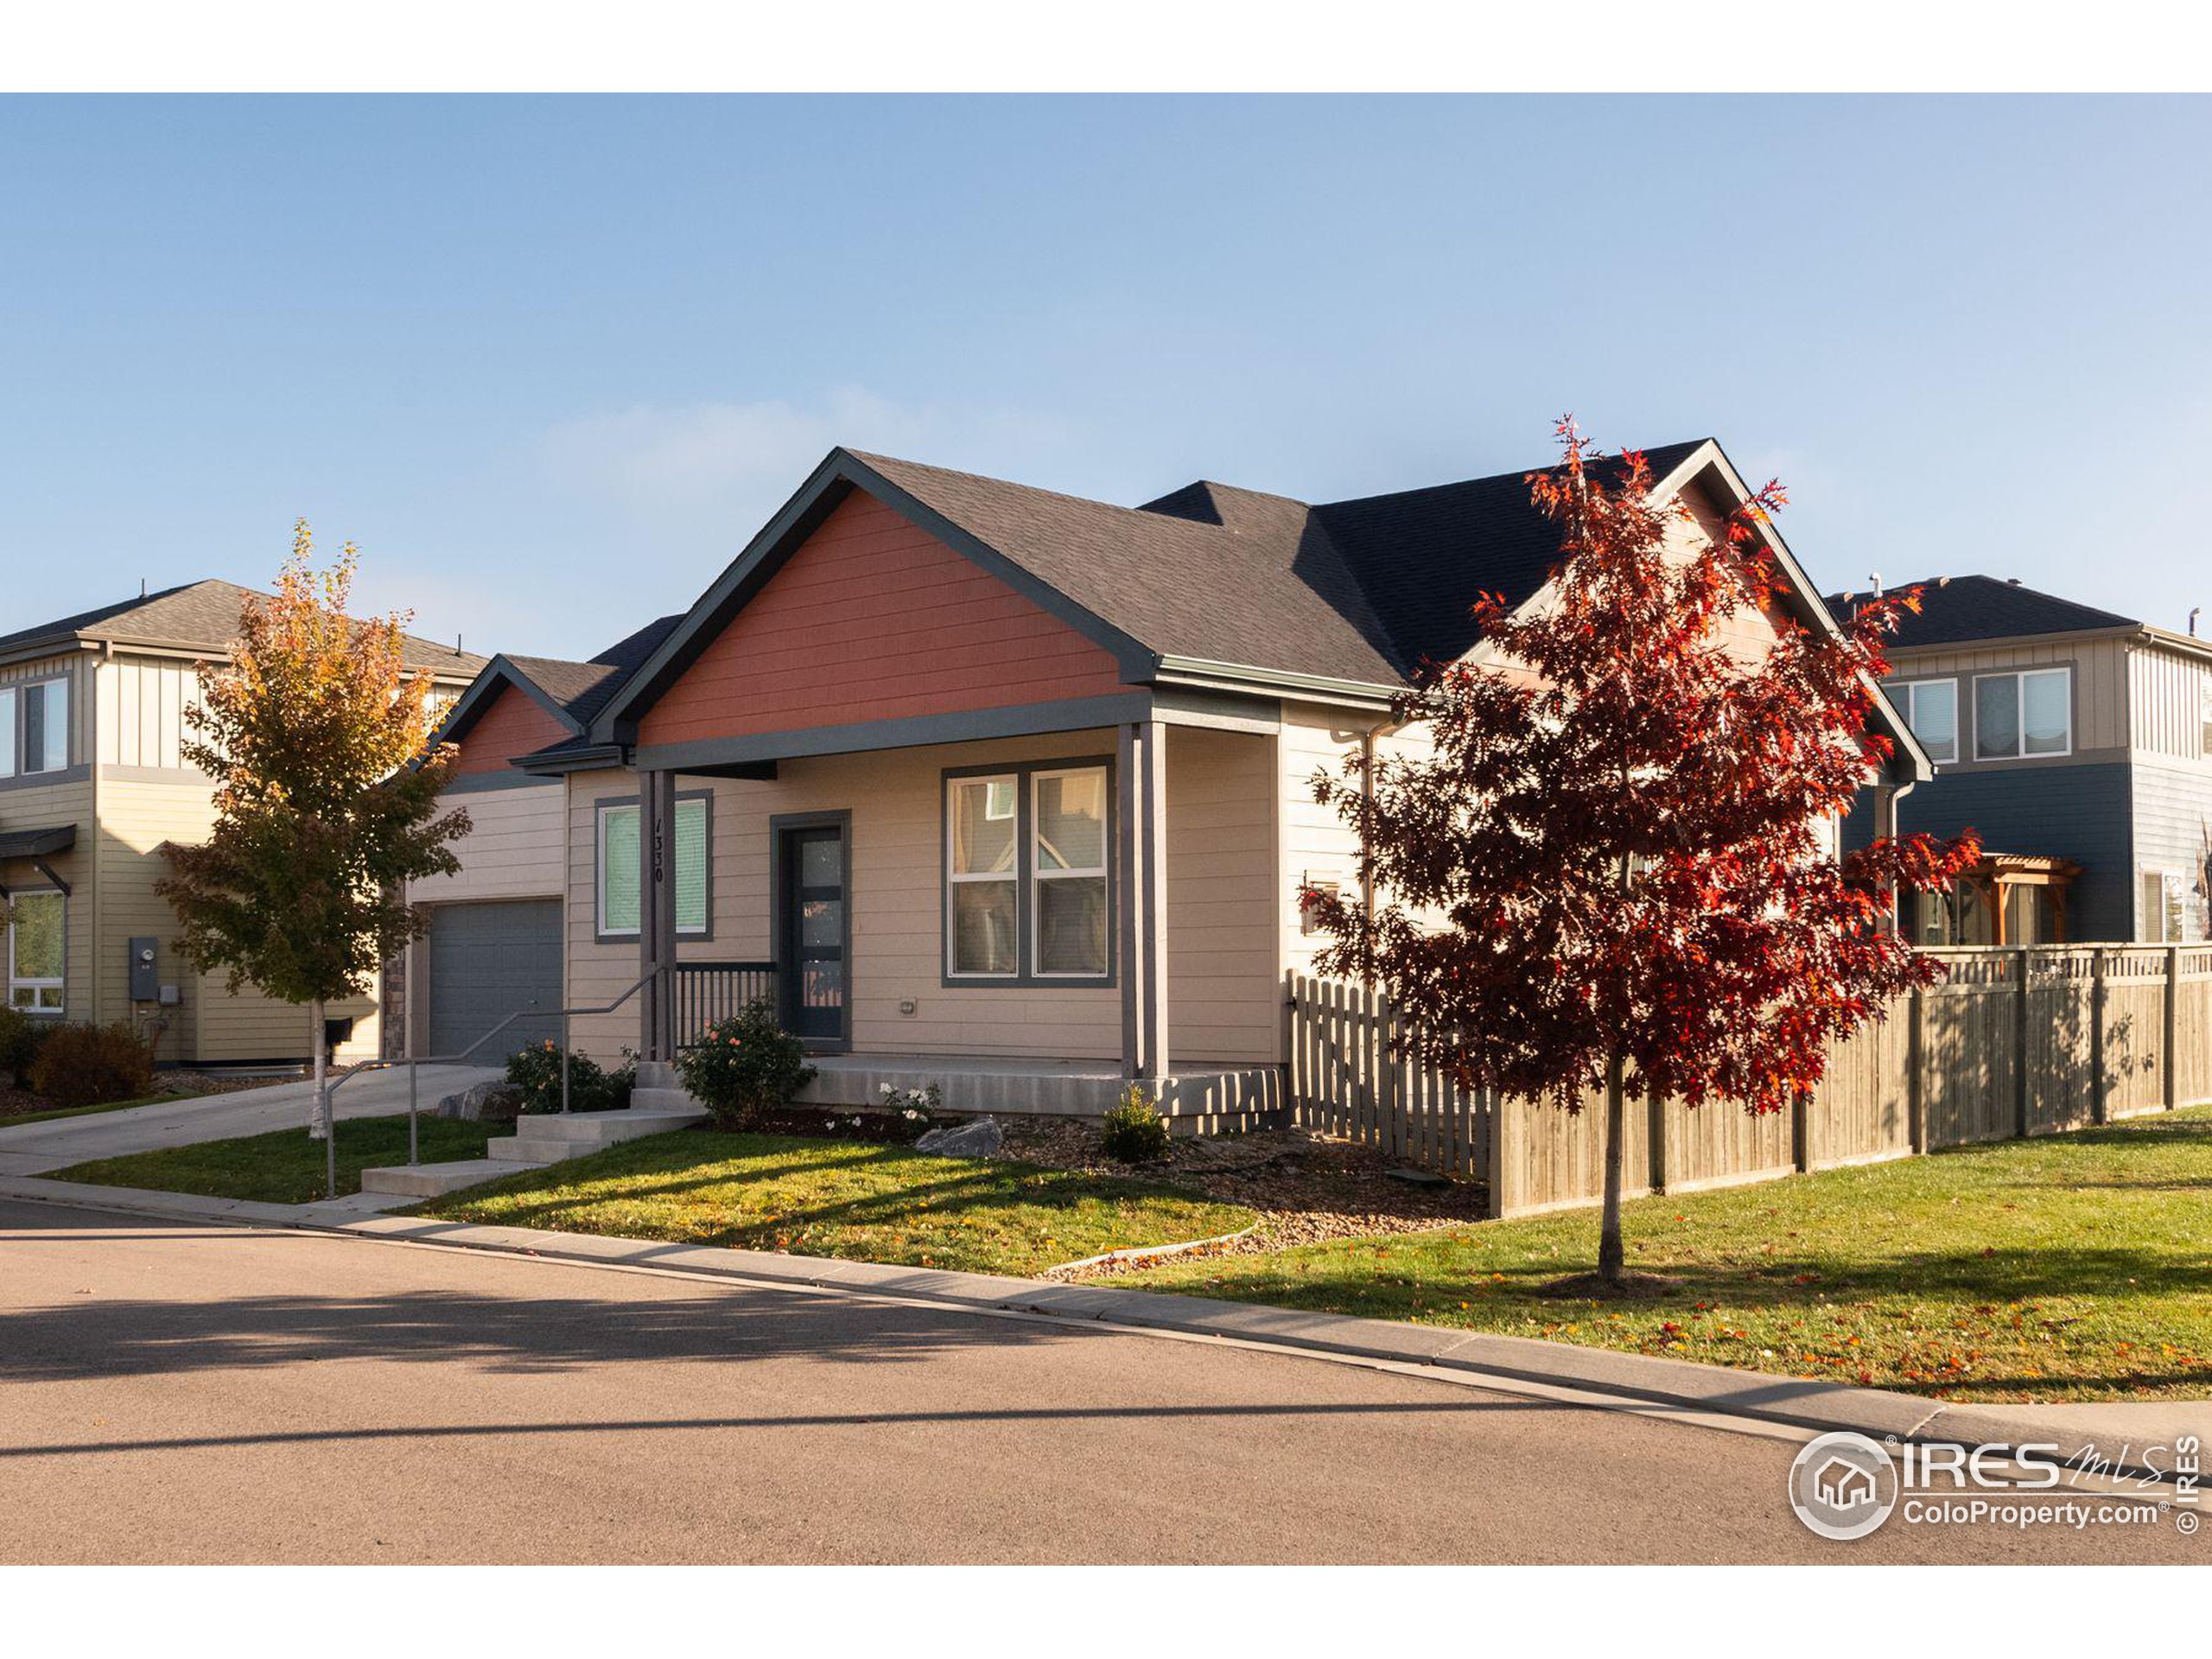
[203, 616]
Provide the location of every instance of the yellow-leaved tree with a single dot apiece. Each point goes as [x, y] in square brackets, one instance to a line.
[317, 738]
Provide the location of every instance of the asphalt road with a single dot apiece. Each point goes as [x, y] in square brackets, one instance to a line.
[171, 1393]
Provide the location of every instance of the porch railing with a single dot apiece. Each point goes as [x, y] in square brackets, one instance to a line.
[709, 991]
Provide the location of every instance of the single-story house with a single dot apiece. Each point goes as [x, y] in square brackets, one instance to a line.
[997, 787]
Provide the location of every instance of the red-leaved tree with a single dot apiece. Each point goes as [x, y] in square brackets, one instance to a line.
[1608, 871]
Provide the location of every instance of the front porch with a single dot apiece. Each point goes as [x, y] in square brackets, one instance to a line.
[1028, 923]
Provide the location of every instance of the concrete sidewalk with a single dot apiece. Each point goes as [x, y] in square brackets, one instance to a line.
[33, 1148]
[2132, 1437]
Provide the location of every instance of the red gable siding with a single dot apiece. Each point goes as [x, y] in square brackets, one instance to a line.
[512, 724]
[874, 618]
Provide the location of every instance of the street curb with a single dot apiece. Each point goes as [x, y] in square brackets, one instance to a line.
[1640, 1378]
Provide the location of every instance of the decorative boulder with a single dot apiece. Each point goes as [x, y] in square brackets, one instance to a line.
[979, 1137]
[483, 1103]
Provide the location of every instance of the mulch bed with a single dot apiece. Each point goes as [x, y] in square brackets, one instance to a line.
[1307, 1187]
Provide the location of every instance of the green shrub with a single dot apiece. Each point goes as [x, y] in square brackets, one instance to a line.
[1136, 1133]
[90, 1065]
[536, 1072]
[744, 1066]
[20, 1036]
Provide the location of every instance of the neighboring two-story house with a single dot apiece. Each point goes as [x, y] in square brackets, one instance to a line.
[2078, 743]
[92, 782]
[985, 784]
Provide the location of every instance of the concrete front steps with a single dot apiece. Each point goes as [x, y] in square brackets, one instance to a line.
[657, 1105]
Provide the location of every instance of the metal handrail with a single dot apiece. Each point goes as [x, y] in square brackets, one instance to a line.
[414, 1084]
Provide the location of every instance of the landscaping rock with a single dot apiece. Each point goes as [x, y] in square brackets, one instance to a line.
[979, 1137]
[483, 1103]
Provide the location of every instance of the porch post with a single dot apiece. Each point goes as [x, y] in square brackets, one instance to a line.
[1130, 880]
[657, 914]
[1151, 905]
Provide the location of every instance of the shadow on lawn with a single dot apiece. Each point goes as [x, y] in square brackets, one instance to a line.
[1995, 1276]
[982, 1190]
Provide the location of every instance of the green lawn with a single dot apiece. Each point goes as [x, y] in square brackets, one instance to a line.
[2077, 1267]
[284, 1167]
[9, 1120]
[844, 1198]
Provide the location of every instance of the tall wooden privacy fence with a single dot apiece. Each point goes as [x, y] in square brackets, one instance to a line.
[2014, 1043]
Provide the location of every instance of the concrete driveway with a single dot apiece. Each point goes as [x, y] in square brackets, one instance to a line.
[32, 1149]
[179, 1393]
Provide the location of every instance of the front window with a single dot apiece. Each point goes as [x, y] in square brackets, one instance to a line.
[2165, 907]
[2030, 713]
[1931, 708]
[1026, 888]
[984, 873]
[620, 877]
[1068, 820]
[36, 950]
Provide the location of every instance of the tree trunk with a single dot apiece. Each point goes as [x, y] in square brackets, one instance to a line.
[1611, 1258]
[319, 1113]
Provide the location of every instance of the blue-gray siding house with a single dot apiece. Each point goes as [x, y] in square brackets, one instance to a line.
[2063, 733]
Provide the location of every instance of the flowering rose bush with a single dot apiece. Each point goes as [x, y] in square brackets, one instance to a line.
[913, 1112]
[535, 1070]
[744, 1066]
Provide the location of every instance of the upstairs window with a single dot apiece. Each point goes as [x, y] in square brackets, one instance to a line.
[1931, 708]
[2028, 714]
[34, 727]
[620, 877]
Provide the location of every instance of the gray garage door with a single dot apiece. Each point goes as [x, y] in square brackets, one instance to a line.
[489, 961]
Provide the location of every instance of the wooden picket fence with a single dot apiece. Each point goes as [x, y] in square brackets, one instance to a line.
[2014, 1043]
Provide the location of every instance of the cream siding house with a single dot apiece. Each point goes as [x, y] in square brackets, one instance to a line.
[1012, 792]
[92, 782]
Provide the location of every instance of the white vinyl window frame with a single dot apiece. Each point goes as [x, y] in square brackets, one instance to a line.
[1908, 695]
[1021, 782]
[1101, 872]
[45, 702]
[2020, 678]
[49, 996]
[997, 809]
[629, 806]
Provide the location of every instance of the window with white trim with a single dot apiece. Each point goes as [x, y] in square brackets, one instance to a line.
[2022, 714]
[1027, 893]
[1067, 817]
[620, 877]
[37, 951]
[1930, 708]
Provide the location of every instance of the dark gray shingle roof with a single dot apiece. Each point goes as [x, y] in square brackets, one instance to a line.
[1358, 590]
[1957, 609]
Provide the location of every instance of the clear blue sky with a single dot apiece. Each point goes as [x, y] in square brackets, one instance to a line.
[551, 362]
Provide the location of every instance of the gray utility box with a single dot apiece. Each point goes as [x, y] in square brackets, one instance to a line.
[145, 977]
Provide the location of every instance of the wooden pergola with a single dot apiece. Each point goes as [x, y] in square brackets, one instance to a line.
[1991, 882]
